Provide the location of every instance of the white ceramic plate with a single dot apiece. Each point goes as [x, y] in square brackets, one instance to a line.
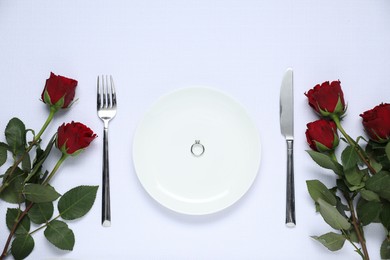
[176, 178]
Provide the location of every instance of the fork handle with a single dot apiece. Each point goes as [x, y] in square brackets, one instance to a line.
[106, 208]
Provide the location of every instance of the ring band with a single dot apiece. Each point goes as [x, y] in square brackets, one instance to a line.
[197, 149]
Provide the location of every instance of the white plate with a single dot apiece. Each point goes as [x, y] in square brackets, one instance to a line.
[176, 178]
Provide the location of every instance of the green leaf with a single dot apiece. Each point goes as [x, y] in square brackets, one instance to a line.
[58, 233]
[354, 176]
[341, 207]
[12, 217]
[376, 165]
[378, 152]
[349, 158]
[353, 236]
[40, 158]
[41, 212]
[331, 240]
[374, 183]
[22, 246]
[369, 195]
[385, 215]
[340, 183]
[318, 190]
[77, 202]
[368, 211]
[355, 187]
[385, 249]
[325, 161]
[12, 193]
[387, 149]
[385, 195]
[332, 216]
[15, 135]
[3, 154]
[26, 163]
[380, 184]
[39, 193]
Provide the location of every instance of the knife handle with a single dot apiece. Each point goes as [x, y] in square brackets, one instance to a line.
[290, 193]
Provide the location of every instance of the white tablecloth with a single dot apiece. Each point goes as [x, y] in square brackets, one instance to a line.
[153, 47]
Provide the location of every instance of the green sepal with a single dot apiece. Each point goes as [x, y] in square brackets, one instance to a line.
[46, 98]
[338, 111]
[322, 148]
[77, 152]
[58, 105]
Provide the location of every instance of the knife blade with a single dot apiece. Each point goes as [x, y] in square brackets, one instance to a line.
[287, 130]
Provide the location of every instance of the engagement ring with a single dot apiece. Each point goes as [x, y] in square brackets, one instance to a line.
[197, 149]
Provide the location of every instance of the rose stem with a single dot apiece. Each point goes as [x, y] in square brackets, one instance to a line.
[14, 227]
[53, 110]
[27, 209]
[359, 231]
[357, 147]
[32, 144]
[58, 164]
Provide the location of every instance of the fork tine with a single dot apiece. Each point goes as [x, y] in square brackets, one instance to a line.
[105, 94]
[99, 96]
[113, 93]
[109, 99]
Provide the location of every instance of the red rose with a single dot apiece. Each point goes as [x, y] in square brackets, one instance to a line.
[376, 122]
[73, 137]
[327, 99]
[59, 91]
[322, 135]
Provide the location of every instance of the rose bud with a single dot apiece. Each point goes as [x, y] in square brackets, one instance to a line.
[72, 138]
[327, 99]
[322, 135]
[59, 91]
[376, 122]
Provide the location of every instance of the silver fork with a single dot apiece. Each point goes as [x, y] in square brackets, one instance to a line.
[106, 109]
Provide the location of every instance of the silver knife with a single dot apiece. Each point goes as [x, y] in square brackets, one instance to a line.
[287, 129]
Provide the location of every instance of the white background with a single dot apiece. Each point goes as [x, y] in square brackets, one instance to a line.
[153, 47]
